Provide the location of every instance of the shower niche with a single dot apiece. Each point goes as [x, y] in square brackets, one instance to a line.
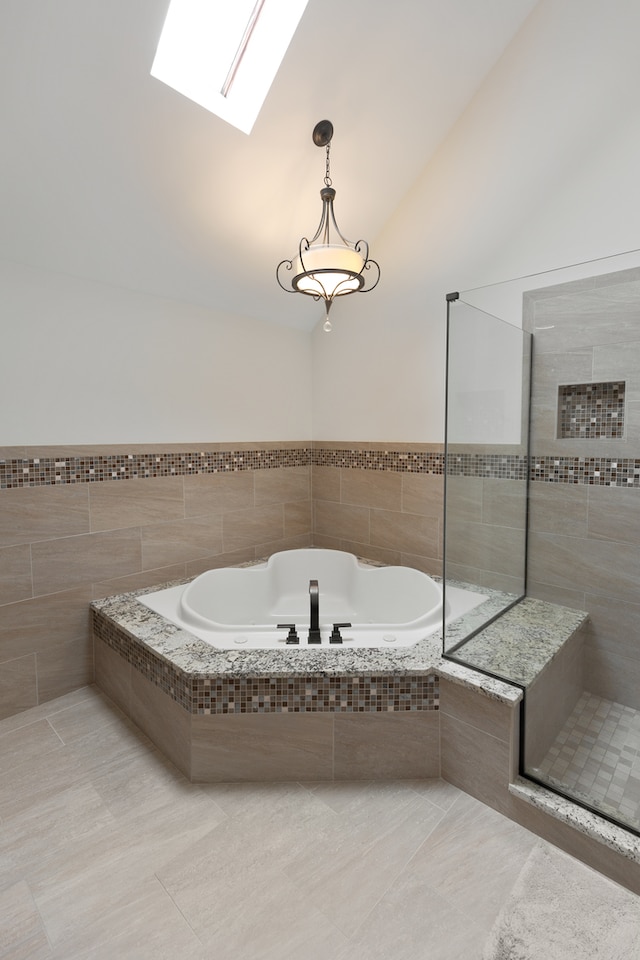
[591, 411]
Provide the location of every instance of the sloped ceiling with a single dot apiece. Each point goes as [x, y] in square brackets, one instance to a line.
[110, 175]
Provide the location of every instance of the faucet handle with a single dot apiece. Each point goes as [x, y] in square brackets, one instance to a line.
[292, 636]
[335, 633]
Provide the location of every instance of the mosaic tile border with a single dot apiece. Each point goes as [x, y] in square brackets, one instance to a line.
[363, 694]
[49, 471]
[595, 471]
[394, 461]
[314, 694]
[493, 466]
[40, 472]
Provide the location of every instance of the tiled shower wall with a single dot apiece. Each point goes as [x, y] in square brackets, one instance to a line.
[79, 524]
[584, 520]
[486, 516]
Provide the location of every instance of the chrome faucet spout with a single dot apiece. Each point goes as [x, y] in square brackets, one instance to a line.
[314, 618]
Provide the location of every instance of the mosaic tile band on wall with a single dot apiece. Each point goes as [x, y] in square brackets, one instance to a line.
[313, 694]
[39, 472]
[35, 472]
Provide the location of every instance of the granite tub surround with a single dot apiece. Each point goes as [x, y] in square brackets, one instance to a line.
[497, 602]
[277, 714]
[141, 656]
[139, 628]
[283, 715]
[522, 642]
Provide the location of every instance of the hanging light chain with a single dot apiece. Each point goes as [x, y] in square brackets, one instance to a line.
[327, 177]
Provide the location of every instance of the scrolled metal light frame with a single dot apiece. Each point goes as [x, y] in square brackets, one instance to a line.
[310, 277]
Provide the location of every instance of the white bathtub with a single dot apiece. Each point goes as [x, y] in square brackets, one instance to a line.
[241, 607]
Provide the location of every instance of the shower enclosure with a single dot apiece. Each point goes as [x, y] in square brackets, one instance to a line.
[542, 497]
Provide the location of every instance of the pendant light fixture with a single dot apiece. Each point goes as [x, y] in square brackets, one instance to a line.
[328, 265]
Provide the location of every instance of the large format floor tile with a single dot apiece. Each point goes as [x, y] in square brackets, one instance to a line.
[107, 851]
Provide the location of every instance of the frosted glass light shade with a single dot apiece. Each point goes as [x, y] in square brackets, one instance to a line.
[328, 270]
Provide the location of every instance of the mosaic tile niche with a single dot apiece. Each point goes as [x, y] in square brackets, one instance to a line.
[591, 411]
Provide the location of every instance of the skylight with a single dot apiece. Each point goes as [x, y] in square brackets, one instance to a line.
[224, 55]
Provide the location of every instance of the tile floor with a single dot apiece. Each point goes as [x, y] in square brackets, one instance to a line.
[106, 851]
[596, 757]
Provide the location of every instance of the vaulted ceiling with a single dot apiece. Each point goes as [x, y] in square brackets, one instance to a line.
[111, 175]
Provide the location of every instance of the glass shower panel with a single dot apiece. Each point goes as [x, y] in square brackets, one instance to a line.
[488, 363]
[581, 718]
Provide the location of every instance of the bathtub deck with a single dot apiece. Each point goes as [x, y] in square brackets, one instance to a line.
[516, 646]
[322, 711]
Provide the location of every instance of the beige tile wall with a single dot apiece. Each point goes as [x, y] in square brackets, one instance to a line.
[584, 542]
[550, 699]
[381, 515]
[478, 743]
[486, 523]
[584, 551]
[61, 546]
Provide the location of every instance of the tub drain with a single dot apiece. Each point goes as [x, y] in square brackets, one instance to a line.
[389, 637]
[240, 639]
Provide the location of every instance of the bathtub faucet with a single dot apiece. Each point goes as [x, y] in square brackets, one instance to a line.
[314, 621]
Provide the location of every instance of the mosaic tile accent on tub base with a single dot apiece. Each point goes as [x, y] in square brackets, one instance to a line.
[312, 694]
[365, 694]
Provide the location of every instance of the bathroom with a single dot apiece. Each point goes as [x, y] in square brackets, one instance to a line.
[100, 360]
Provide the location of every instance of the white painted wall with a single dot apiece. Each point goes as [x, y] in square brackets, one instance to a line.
[84, 362]
[540, 171]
